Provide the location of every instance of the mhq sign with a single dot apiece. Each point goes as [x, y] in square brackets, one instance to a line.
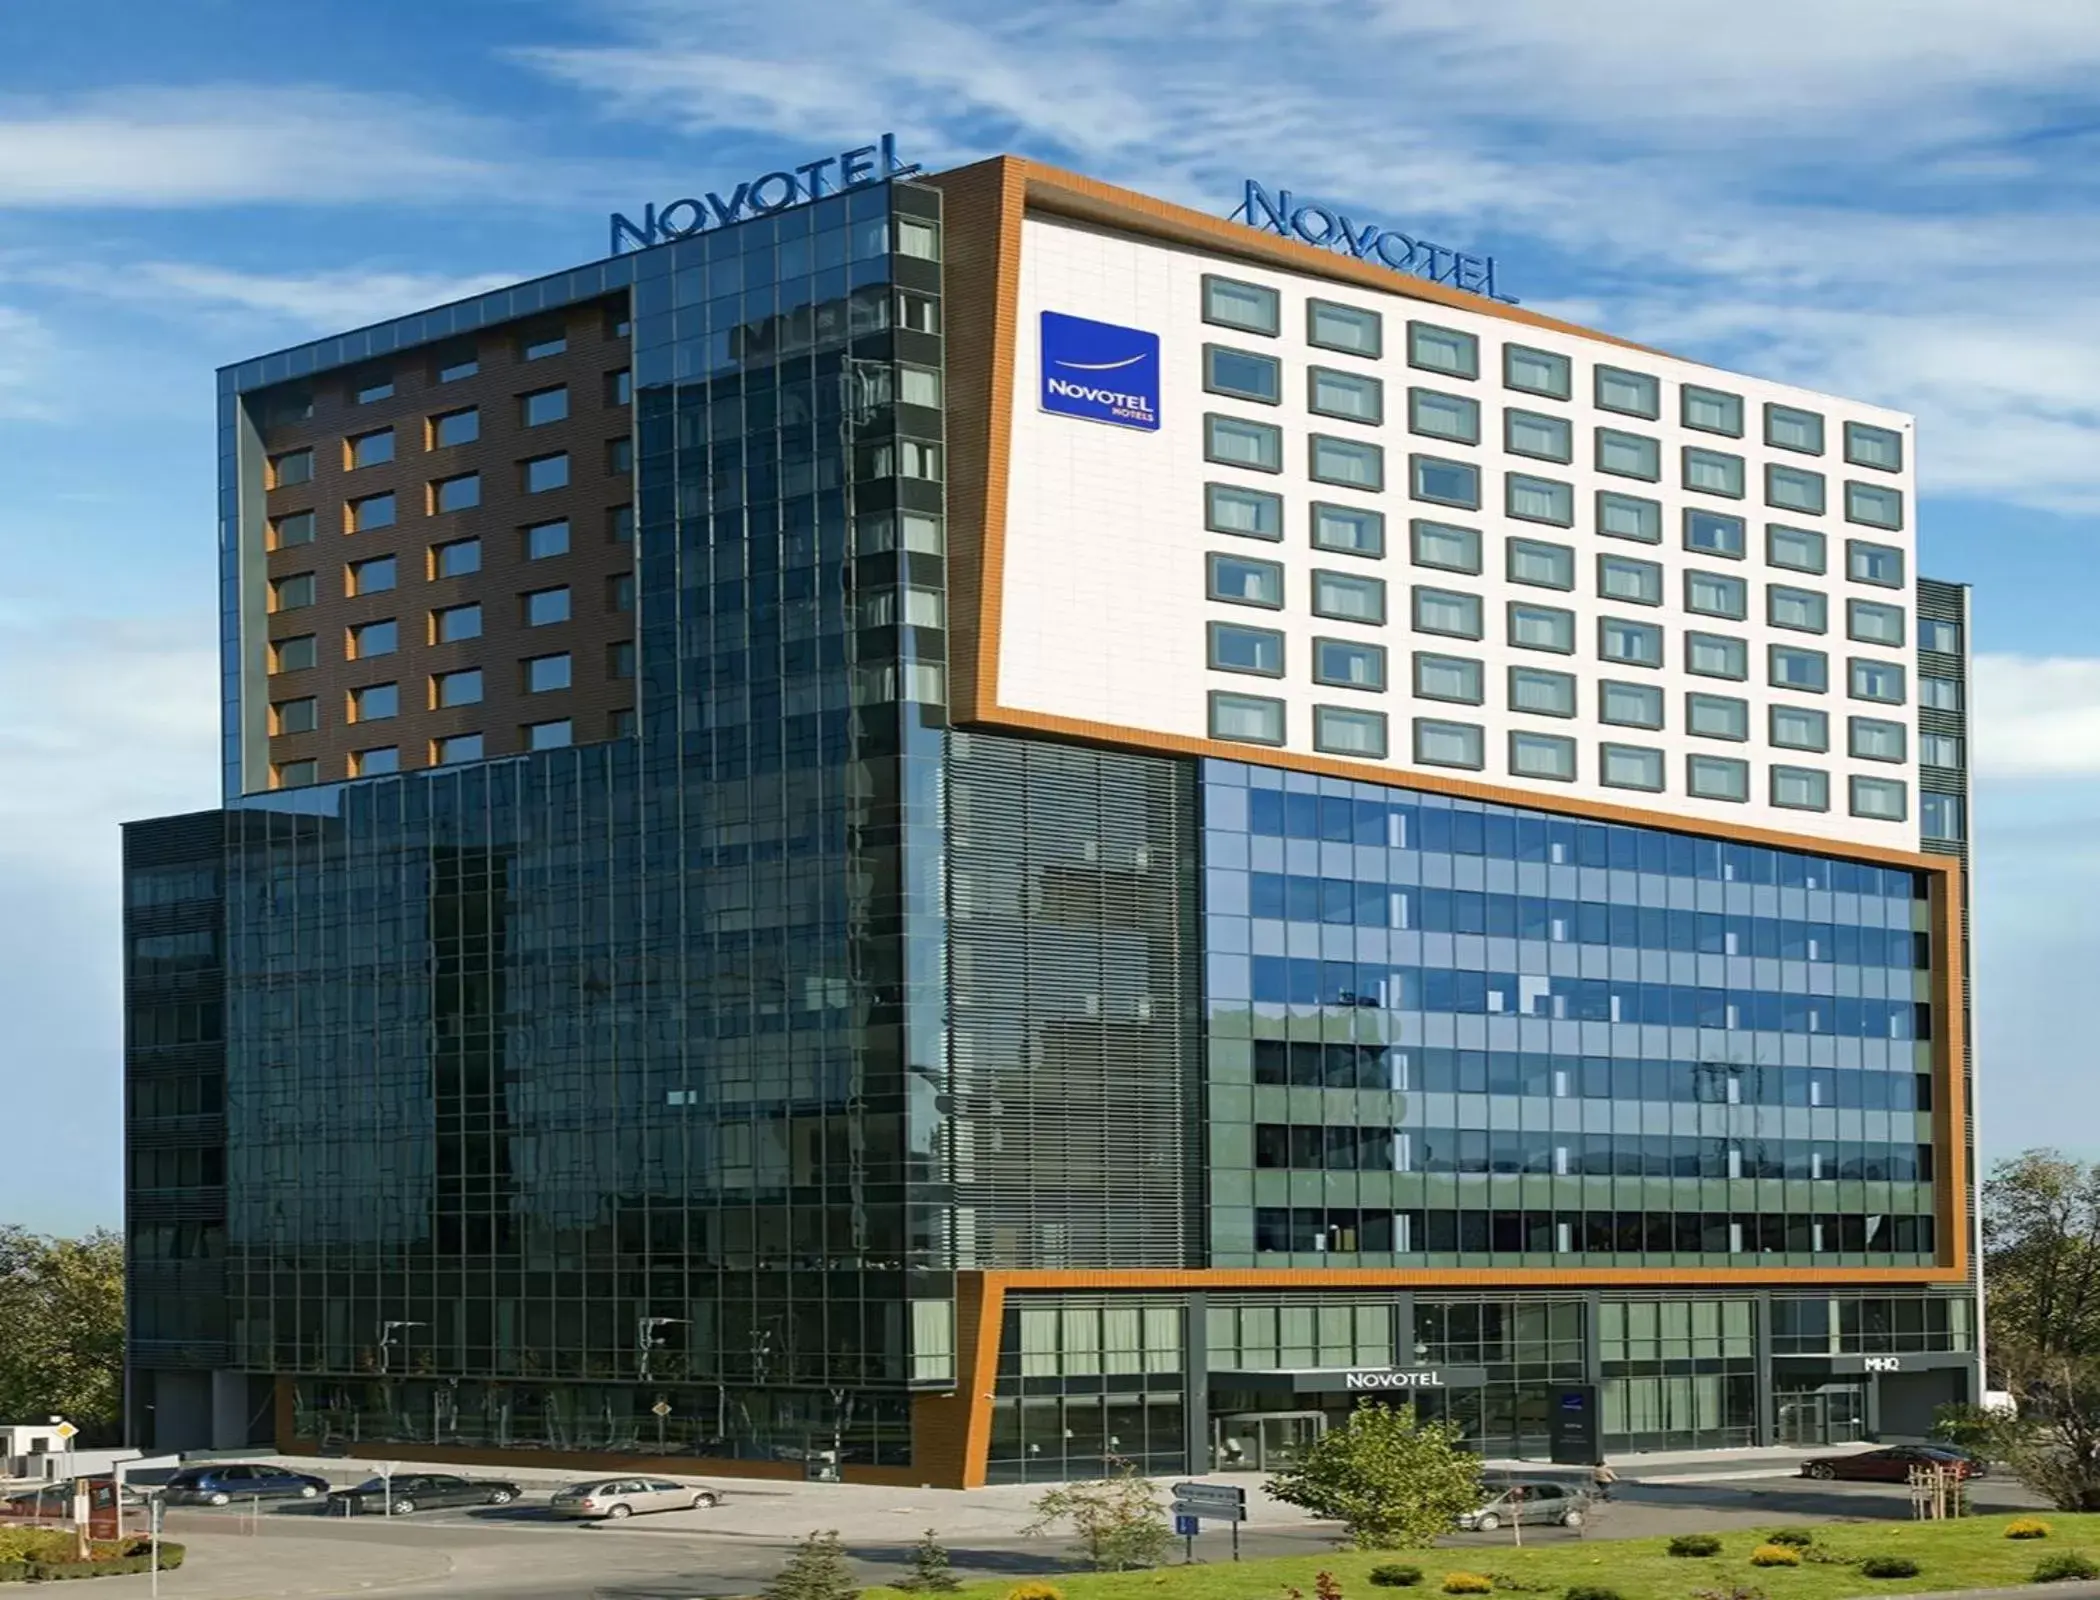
[1101, 372]
[1281, 214]
[763, 195]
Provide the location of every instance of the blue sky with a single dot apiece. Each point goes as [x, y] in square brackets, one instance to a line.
[1896, 203]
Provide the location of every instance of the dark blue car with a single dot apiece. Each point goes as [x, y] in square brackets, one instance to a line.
[224, 1482]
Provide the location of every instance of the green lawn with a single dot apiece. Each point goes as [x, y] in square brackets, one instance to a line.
[1972, 1553]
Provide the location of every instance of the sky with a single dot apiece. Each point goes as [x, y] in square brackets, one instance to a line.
[1898, 203]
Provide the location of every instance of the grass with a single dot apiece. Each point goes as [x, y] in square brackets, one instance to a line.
[1972, 1553]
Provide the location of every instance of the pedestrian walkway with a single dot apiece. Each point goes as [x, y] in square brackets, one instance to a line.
[232, 1566]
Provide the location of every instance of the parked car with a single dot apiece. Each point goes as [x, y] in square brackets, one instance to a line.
[421, 1491]
[56, 1499]
[1979, 1467]
[224, 1482]
[1891, 1464]
[1529, 1500]
[623, 1497]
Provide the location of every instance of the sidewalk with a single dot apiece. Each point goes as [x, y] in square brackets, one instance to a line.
[231, 1566]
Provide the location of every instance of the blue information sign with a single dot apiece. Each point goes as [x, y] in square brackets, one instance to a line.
[1186, 1527]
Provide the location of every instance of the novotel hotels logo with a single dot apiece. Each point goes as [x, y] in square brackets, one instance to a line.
[1100, 371]
[763, 195]
[1393, 1379]
[1281, 213]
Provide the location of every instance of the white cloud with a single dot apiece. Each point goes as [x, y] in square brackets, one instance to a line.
[332, 300]
[2036, 717]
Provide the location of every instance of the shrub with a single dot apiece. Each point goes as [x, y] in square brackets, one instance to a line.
[1393, 1575]
[1775, 1555]
[2027, 1528]
[14, 1572]
[1467, 1583]
[2063, 1566]
[1590, 1591]
[1799, 1538]
[1888, 1567]
[1695, 1544]
[1326, 1586]
[1035, 1591]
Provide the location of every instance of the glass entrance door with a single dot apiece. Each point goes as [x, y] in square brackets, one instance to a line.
[1264, 1441]
[1834, 1414]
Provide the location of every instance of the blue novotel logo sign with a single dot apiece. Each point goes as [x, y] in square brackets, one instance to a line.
[762, 196]
[1282, 213]
[1100, 371]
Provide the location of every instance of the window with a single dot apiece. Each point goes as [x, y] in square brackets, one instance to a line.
[1717, 778]
[1628, 516]
[619, 659]
[375, 389]
[1942, 637]
[1447, 612]
[375, 702]
[1880, 564]
[375, 576]
[1869, 446]
[1446, 350]
[1630, 705]
[1630, 766]
[296, 529]
[1638, 644]
[1445, 545]
[457, 688]
[1550, 566]
[373, 511]
[1871, 622]
[1536, 372]
[293, 716]
[1443, 416]
[1454, 678]
[1629, 455]
[1939, 750]
[1253, 513]
[460, 747]
[555, 735]
[292, 655]
[296, 774]
[292, 593]
[1794, 489]
[1633, 393]
[1711, 410]
[1449, 744]
[620, 387]
[1234, 648]
[1875, 740]
[1541, 628]
[1446, 483]
[294, 466]
[619, 596]
[1341, 731]
[1793, 667]
[543, 473]
[1245, 583]
[372, 449]
[455, 428]
[1348, 529]
[1540, 499]
[1939, 816]
[916, 386]
[1532, 433]
[1788, 428]
[456, 559]
[1232, 304]
[1347, 328]
[1246, 718]
[545, 539]
[1236, 442]
[1804, 610]
[921, 313]
[456, 494]
[1716, 594]
[1347, 598]
[1876, 680]
[1542, 755]
[1350, 395]
[1800, 549]
[620, 527]
[1548, 694]
[1800, 728]
[619, 459]
[1348, 462]
[1939, 694]
[1801, 788]
[545, 345]
[1873, 504]
[455, 623]
[1713, 533]
[1346, 664]
[1243, 374]
[376, 763]
[1884, 799]
[1717, 716]
[1716, 655]
[457, 364]
[1629, 578]
[545, 606]
[380, 638]
[544, 674]
[1713, 472]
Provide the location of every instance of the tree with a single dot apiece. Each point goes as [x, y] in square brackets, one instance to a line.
[62, 1328]
[1118, 1520]
[930, 1572]
[1391, 1480]
[816, 1571]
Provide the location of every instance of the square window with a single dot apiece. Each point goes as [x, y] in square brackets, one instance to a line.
[296, 774]
[1799, 549]
[1793, 667]
[1251, 513]
[1536, 372]
[1342, 731]
[1446, 350]
[1713, 533]
[456, 559]
[1790, 428]
[1876, 680]
[1869, 446]
[1246, 718]
[1348, 462]
[376, 763]
[293, 593]
[1240, 581]
[372, 449]
[375, 702]
[1943, 638]
[1629, 578]
[543, 473]
[545, 606]
[1794, 489]
[456, 494]
[455, 428]
[555, 735]
[1874, 504]
[1550, 566]
[296, 529]
[375, 576]
[1347, 597]
[1711, 410]
[1231, 304]
[1629, 455]
[373, 390]
[294, 466]
[1880, 564]
[373, 511]
[293, 655]
[1455, 678]
[1713, 472]
[1884, 799]
[1544, 693]
[619, 660]
[1804, 610]
[1716, 594]
[1872, 739]
[620, 388]
[1630, 766]
[1630, 705]
[1346, 328]
[545, 674]
[1801, 788]
[543, 406]
[619, 458]
[1539, 499]
[458, 688]
[1542, 755]
[1800, 728]
[1450, 744]
[1236, 442]
[1939, 750]
[380, 638]
[1445, 545]
[1443, 416]
[1235, 648]
[293, 716]
[1243, 374]
[1352, 396]
[456, 364]
[1444, 483]
[1447, 612]
[1871, 622]
[1939, 694]
[455, 623]
[916, 386]
[1350, 530]
[1717, 716]
[1716, 655]
[1347, 664]
[1532, 433]
[1541, 628]
[551, 343]
[1637, 644]
[460, 747]
[545, 539]
[1939, 816]
[1717, 778]
[1628, 516]
[1634, 393]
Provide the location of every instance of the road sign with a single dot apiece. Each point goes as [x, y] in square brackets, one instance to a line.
[1186, 1527]
[662, 1408]
[1211, 1509]
[1223, 1495]
[65, 1430]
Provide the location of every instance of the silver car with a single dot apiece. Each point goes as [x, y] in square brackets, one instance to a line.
[1529, 1500]
[623, 1497]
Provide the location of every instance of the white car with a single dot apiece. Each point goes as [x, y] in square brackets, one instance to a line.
[623, 1497]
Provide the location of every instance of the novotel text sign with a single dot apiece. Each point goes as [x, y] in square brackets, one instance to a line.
[763, 195]
[1282, 213]
[1395, 1378]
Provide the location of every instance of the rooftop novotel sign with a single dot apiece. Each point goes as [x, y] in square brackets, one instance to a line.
[762, 196]
[1282, 213]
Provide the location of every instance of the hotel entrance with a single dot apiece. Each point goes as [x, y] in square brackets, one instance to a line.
[1264, 1441]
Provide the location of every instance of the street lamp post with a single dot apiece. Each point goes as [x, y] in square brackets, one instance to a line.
[387, 1330]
